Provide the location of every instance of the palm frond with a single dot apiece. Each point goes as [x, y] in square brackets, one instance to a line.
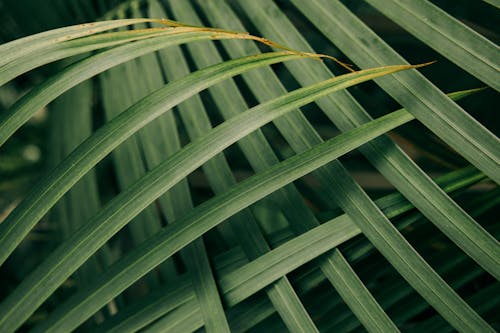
[195, 185]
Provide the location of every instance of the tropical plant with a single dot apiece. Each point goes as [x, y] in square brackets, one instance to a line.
[188, 185]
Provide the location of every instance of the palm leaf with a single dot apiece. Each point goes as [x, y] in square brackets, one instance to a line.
[39, 202]
[149, 254]
[226, 134]
[197, 247]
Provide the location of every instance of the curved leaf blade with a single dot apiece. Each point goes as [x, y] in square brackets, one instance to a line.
[90, 152]
[453, 39]
[118, 212]
[71, 48]
[255, 147]
[27, 45]
[206, 216]
[429, 105]
[277, 262]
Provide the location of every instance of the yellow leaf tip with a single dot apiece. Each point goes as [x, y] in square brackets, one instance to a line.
[424, 64]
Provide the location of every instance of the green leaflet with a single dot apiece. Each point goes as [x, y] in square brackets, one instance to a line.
[52, 187]
[261, 156]
[74, 47]
[495, 3]
[243, 226]
[118, 212]
[352, 199]
[198, 221]
[383, 154]
[257, 274]
[186, 318]
[346, 113]
[43, 94]
[27, 45]
[429, 105]
[164, 137]
[455, 40]
[285, 206]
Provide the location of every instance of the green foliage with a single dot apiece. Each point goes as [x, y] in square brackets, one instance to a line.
[187, 186]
